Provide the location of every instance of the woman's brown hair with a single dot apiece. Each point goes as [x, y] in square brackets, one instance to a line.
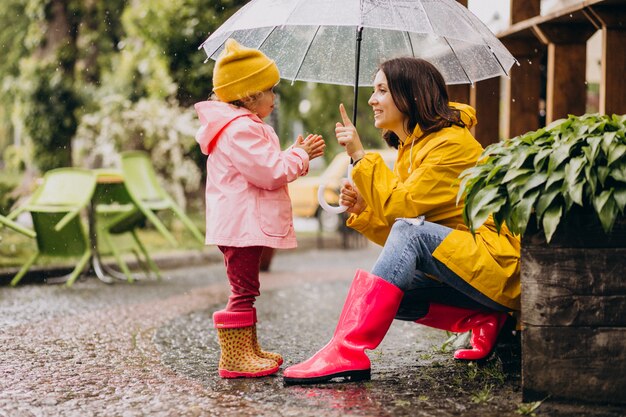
[418, 91]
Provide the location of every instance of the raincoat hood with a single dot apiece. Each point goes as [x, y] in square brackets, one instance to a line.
[214, 117]
[468, 114]
[468, 117]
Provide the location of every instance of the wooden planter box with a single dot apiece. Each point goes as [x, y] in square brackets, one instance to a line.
[574, 313]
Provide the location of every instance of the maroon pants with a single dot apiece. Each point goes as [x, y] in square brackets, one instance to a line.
[242, 269]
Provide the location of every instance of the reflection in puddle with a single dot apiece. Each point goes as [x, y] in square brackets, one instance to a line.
[346, 398]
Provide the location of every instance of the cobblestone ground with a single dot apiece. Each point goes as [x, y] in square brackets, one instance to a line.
[148, 349]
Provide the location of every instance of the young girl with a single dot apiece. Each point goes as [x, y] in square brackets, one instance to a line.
[247, 200]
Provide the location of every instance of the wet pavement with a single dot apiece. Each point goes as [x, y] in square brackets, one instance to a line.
[149, 349]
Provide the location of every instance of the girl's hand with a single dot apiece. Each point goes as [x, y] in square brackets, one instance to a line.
[350, 197]
[348, 137]
[313, 145]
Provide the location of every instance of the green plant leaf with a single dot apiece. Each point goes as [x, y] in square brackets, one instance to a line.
[541, 157]
[546, 198]
[568, 201]
[535, 180]
[576, 193]
[520, 213]
[512, 174]
[591, 151]
[483, 213]
[557, 157]
[556, 177]
[483, 203]
[559, 123]
[619, 194]
[550, 221]
[602, 173]
[607, 139]
[600, 200]
[618, 172]
[493, 173]
[616, 153]
[514, 188]
[500, 216]
[606, 208]
[592, 178]
[573, 170]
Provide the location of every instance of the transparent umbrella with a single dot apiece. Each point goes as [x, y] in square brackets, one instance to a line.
[344, 41]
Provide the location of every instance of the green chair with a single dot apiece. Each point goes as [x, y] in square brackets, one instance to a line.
[146, 192]
[5, 221]
[116, 219]
[55, 208]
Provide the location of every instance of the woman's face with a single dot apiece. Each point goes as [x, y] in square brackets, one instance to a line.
[263, 105]
[386, 114]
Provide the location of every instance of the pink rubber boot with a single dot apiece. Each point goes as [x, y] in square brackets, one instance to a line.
[367, 314]
[485, 327]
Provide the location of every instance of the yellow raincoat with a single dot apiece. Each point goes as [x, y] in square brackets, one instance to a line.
[425, 182]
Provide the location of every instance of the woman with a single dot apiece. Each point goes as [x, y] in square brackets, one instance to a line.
[431, 269]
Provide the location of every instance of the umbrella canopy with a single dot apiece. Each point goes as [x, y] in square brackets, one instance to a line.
[314, 40]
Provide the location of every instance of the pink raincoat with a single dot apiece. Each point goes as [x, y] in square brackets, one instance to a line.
[247, 199]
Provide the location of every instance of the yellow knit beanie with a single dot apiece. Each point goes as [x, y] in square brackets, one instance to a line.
[241, 72]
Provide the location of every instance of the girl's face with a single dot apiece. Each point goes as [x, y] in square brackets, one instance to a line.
[386, 114]
[263, 104]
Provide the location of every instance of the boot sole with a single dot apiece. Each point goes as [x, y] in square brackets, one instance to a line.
[350, 376]
[233, 374]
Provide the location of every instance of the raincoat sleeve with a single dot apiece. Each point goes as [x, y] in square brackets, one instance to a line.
[261, 161]
[370, 226]
[429, 190]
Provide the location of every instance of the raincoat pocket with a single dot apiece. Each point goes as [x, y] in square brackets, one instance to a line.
[274, 215]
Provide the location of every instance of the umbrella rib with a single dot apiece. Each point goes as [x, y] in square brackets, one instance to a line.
[472, 23]
[457, 58]
[408, 36]
[497, 59]
[450, 46]
[305, 53]
[432, 29]
[268, 35]
[221, 44]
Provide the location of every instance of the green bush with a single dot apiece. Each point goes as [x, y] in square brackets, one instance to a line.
[575, 161]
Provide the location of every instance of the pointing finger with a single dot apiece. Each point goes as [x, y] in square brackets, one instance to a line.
[344, 116]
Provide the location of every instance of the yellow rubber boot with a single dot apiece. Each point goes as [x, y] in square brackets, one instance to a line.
[235, 332]
[276, 357]
[257, 347]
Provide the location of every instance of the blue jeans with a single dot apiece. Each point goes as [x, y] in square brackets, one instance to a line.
[407, 258]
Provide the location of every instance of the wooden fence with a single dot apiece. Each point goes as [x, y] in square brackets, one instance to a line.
[560, 40]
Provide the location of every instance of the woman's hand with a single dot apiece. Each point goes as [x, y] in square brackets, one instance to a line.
[348, 137]
[350, 197]
[313, 145]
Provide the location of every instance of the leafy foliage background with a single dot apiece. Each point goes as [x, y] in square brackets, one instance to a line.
[81, 78]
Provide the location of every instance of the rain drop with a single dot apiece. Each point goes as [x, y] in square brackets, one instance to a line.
[513, 100]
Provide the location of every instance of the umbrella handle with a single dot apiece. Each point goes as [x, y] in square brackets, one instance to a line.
[320, 196]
